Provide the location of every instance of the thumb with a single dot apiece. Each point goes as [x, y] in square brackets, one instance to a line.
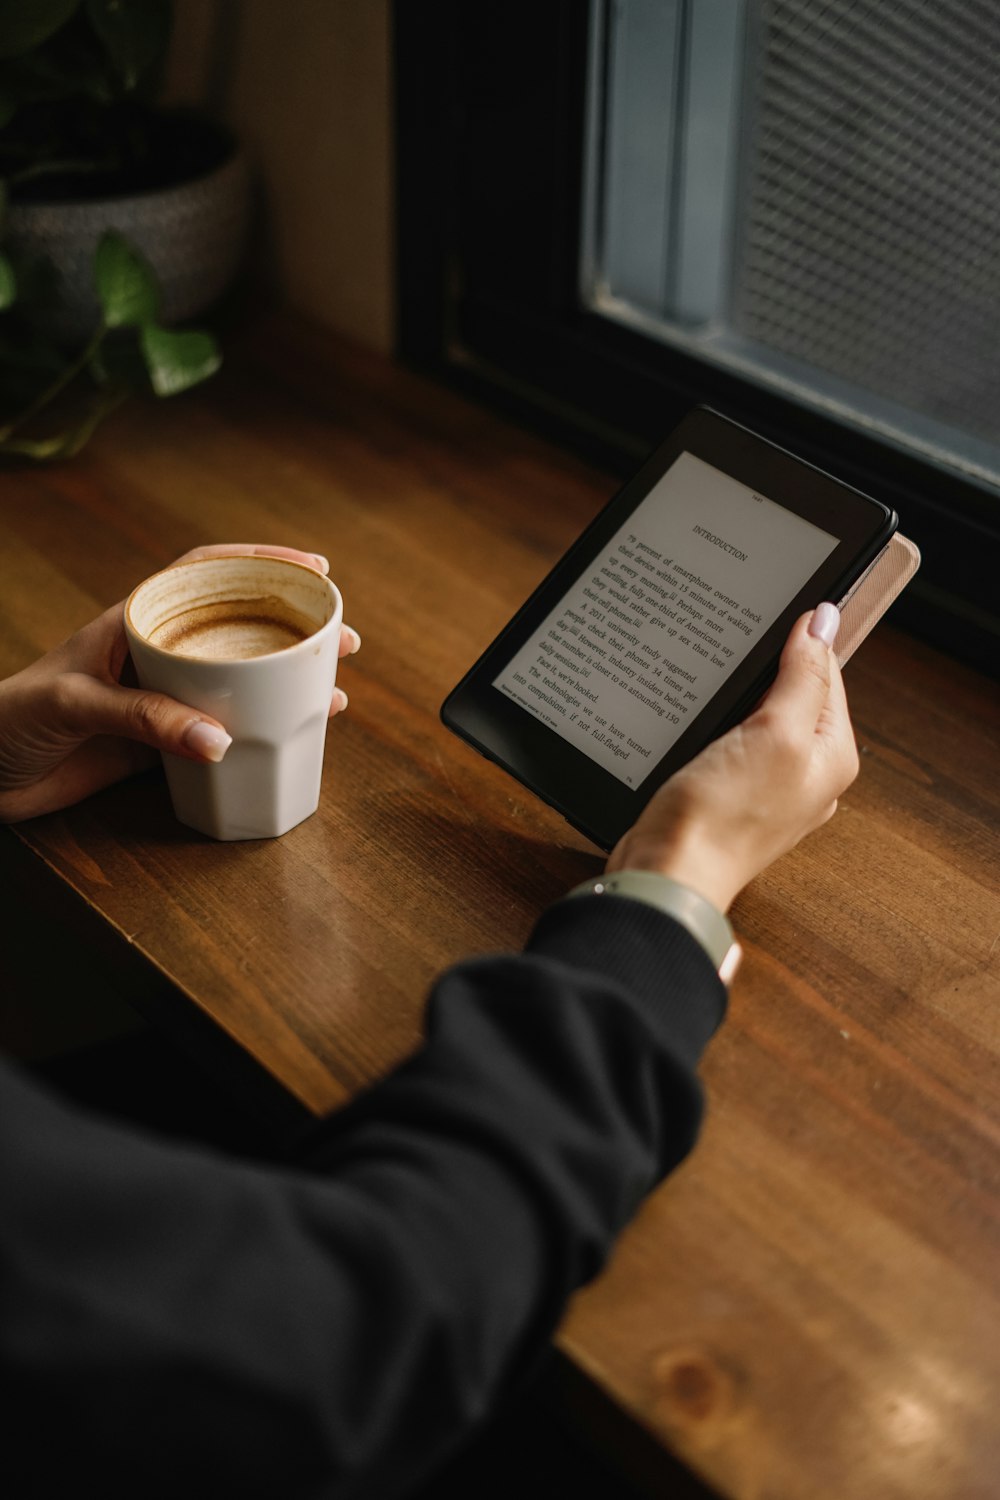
[93, 707]
[800, 691]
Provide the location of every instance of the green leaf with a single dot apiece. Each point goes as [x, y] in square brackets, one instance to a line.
[25, 24]
[68, 442]
[8, 282]
[176, 361]
[135, 34]
[125, 281]
[46, 450]
[42, 450]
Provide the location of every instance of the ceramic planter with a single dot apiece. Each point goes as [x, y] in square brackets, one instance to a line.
[192, 234]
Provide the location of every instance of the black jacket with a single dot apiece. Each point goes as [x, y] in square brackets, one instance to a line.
[177, 1323]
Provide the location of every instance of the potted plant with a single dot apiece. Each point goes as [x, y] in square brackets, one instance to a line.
[118, 219]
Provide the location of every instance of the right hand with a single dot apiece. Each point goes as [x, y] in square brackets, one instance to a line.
[753, 794]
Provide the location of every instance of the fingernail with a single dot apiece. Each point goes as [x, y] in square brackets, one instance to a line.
[206, 740]
[344, 700]
[353, 638]
[825, 623]
[321, 562]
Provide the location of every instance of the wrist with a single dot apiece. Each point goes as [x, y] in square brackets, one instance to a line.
[692, 862]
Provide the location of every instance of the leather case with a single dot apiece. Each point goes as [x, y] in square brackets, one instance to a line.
[882, 581]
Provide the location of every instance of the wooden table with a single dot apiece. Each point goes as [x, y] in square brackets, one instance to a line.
[809, 1307]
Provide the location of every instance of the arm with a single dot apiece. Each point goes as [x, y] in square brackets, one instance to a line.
[355, 1316]
[340, 1326]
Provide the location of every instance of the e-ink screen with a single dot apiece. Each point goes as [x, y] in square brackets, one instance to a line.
[667, 611]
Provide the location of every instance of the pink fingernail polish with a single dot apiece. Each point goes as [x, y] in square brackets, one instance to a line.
[354, 638]
[321, 562]
[206, 740]
[825, 623]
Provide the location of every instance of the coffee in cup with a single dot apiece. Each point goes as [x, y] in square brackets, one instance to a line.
[233, 630]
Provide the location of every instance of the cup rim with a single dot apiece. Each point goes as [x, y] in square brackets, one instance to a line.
[132, 630]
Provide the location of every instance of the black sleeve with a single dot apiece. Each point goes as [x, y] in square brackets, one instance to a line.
[189, 1324]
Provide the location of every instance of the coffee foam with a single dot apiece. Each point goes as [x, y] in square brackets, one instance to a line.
[233, 629]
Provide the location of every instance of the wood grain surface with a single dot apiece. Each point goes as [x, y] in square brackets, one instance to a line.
[810, 1306]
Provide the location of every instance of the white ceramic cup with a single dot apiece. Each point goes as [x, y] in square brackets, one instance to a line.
[275, 705]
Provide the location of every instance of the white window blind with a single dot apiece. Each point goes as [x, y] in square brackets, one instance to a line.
[808, 191]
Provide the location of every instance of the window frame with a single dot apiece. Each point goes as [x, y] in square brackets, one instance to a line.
[490, 151]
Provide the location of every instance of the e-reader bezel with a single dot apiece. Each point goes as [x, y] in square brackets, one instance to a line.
[587, 795]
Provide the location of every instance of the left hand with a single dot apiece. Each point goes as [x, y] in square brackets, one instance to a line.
[69, 727]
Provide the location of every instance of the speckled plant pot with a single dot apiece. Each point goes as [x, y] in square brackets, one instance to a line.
[193, 235]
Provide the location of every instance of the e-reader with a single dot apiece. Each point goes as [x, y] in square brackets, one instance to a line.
[663, 624]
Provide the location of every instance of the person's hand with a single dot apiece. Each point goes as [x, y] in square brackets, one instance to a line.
[753, 794]
[68, 726]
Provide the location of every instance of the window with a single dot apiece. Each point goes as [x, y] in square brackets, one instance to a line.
[612, 210]
[807, 192]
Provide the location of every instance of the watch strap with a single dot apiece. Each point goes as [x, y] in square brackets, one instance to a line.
[695, 912]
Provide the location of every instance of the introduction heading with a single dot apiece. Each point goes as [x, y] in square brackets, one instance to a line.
[718, 542]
